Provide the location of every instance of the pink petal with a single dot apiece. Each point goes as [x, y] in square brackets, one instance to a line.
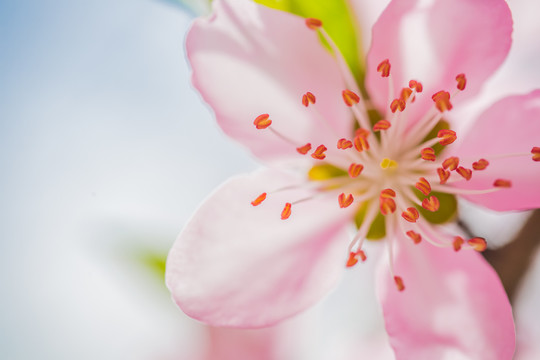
[453, 305]
[511, 125]
[241, 344]
[250, 60]
[242, 266]
[432, 42]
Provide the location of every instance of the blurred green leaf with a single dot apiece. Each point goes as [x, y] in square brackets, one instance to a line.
[154, 261]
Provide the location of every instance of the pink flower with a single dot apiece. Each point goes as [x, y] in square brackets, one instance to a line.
[267, 245]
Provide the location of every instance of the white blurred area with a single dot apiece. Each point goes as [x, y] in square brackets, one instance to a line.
[105, 151]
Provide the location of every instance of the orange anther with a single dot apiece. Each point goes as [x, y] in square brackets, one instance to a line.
[308, 98]
[355, 170]
[431, 203]
[457, 243]
[361, 143]
[286, 211]
[262, 121]
[399, 283]
[397, 104]
[446, 136]
[416, 85]
[480, 164]
[350, 97]
[416, 238]
[381, 125]
[442, 101]
[384, 68]
[461, 81]
[387, 205]
[344, 144]
[465, 173]
[362, 255]
[259, 199]
[352, 259]
[313, 23]
[388, 193]
[405, 94]
[319, 152]
[478, 243]
[451, 163]
[502, 183]
[535, 153]
[443, 175]
[345, 201]
[424, 186]
[428, 154]
[411, 214]
[362, 132]
[304, 149]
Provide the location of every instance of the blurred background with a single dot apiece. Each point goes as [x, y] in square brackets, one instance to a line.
[105, 151]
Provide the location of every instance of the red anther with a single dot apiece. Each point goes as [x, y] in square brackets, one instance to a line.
[344, 144]
[388, 193]
[424, 186]
[535, 153]
[381, 125]
[478, 243]
[461, 81]
[259, 199]
[442, 101]
[411, 214]
[350, 97]
[457, 243]
[362, 255]
[415, 85]
[480, 164]
[384, 68]
[319, 152]
[355, 170]
[451, 163]
[416, 238]
[465, 173]
[345, 201]
[308, 98]
[286, 211]
[397, 104]
[405, 94]
[428, 154]
[304, 149]
[362, 132]
[387, 205]
[352, 259]
[262, 121]
[399, 283]
[431, 203]
[313, 23]
[502, 183]
[361, 143]
[446, 137]
[443, 175]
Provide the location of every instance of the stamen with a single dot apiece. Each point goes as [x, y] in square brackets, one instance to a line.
[361, 143]
[388, 163]
[384, 68]
[411, 215]
[446, 136]
[355, 170]
[387, 205]
[478, 243]
[442, 101]
[428, 154]
[345, 201]
[313, 23]
[424, 186]
[304, 149]
[262, 121]
[397, 104]
[535, 153]
[353, 257]
[286, 211]
[319, 152]
[308, 98]
[443, 175]
[416, 238]
[416, 85]
[502, 183]
[344, 144]
[431, 203]
[388, 194]
[350, 97]
[480, 164]
[381, 125]
[465, 173]
[362, 132]
[451, 163]
[259, 199]
[461, 81]
[399, 283]
[457, 243]
[405, 94]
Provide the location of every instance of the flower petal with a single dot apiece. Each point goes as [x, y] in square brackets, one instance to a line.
[433, 41]
[453, 305]
[242, 266]
[249, 60]
[512, 125]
